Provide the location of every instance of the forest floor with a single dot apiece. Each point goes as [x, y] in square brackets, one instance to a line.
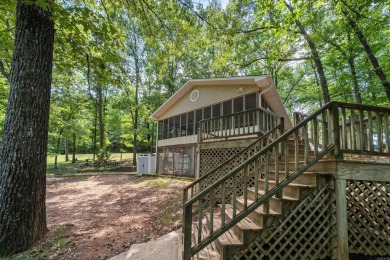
[100, 216]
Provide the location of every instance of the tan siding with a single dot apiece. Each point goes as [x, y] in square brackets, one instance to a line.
[178, 140]
[208, 95]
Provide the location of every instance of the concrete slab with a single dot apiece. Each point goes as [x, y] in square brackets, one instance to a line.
[163, 248]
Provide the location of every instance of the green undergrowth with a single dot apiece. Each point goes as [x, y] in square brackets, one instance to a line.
[52, 247]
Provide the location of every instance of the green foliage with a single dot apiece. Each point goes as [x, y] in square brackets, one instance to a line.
[139, 55]
[103, 157]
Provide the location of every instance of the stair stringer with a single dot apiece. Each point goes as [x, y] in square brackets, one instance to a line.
[305, 230]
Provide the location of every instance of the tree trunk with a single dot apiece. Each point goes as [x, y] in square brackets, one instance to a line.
[57, 150]
[23, 151]
[100, 111]
[367, 48]
[316, 56]
[137, 82]
[74, 149]
[66, 149]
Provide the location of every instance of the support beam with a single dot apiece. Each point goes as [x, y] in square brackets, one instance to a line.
[341, 217]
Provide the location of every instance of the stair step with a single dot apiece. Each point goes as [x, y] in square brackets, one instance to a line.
[275, 204]
[321, 165]
[228, 243]
[210, 251]
[246, 229]
[293, 190]
[258, 216]
[306, 178]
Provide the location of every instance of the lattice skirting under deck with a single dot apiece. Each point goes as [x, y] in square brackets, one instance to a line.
[307, 232]
[177, 160]
[368, 217]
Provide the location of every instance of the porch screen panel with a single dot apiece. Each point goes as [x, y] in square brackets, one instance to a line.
[165, 129]
[198, 117]
[250, 103]
[191, 122]
[227, 110]
[176, 130]
[183, 125]
[160, 130]
[238, 106]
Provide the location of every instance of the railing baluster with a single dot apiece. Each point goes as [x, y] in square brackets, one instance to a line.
[306, 144]
[386, 126]
[324, 125]
[315, 135]
[344, 128]
[200, 218]
[276, 157]
[234, 195]
[379, 131]
[361, 129]
[223, 201]
[212, 202]
[266, 181]
[370, 132]
[245, 179]
[286, 160]
[296, 151]
[353, 142]
[257, 170]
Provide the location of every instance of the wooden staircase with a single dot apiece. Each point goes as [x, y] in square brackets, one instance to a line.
[241, 234]
[278, 196]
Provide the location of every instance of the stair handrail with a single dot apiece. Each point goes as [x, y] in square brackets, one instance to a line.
[191, 186]
[330, 119]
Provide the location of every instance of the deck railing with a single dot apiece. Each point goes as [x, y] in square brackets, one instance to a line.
[237, 125]
[329, 130]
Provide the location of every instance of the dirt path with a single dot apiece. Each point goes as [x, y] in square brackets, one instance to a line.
[97, 217]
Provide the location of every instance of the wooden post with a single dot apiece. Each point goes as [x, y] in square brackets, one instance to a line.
[187, 233]
[336, 130]
[341, 217]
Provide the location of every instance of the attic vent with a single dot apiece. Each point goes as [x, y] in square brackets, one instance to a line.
[194, 95]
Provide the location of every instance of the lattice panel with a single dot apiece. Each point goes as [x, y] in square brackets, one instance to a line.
[305, 233]
[211, 158]
[368, 217]
[176, 160]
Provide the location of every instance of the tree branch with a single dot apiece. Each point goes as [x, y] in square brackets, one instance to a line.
[280, 59]
[197, 14]
[5, 74]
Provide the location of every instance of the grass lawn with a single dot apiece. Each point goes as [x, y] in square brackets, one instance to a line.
[69, 167]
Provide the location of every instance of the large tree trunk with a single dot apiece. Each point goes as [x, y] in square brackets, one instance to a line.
[24, 148]
[316, 56]
[367, 48]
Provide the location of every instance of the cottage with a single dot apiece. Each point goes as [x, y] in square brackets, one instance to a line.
[212, 110]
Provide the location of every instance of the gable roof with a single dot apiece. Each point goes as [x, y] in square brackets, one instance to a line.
[264, 83]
